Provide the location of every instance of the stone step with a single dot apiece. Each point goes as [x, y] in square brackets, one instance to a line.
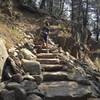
[55, 76]
[46, 55]
[53, 67]
[94, 99]
[65, 90]
[43, 51]
[49, 61]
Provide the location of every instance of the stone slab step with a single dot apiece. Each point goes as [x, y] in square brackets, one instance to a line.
[94, 99]
[55, 76]
[48, 61]
[53, 67]
[65, 90]
[46, 55]
[44, 51]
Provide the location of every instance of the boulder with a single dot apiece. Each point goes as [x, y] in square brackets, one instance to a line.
[15, 92]
[10, 70]
[29, 85]
[34, 68]
[3, 55]
[31, 88]
[26, 54]
[20, 94]
[13, 85]
[78, 75]
[7, 95]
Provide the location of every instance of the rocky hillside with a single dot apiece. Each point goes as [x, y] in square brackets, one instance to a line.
[42, 73]
[49, 74]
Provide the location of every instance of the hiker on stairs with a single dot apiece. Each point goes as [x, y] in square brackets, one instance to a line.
[45, 32]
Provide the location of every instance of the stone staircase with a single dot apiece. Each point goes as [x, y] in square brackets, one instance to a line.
[52, 69]
[52, 72]
[56, 84]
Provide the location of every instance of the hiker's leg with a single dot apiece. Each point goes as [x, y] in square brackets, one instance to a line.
[44, 41]
[47, 45]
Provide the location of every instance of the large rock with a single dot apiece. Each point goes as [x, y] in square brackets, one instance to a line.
[26, 54]
[3, 55]
[32, 90]
[34, 68]
[78, 75]
[7, 95]
[65, 91]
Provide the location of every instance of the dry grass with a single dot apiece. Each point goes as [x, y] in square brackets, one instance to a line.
[15, 35]
[10, 35]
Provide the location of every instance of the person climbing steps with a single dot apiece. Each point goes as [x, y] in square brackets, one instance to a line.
[45, 33]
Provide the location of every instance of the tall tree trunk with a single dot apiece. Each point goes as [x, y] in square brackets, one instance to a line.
[85, 21]
[77, 19]
[97, 33]
[42, 4]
